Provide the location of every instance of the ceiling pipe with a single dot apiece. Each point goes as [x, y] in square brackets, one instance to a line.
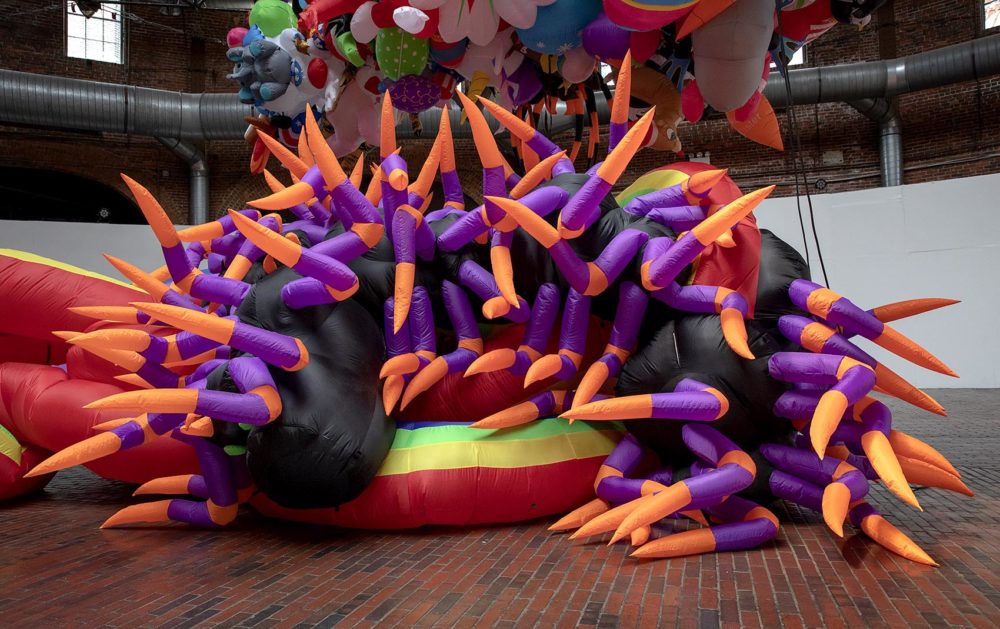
[198, 177]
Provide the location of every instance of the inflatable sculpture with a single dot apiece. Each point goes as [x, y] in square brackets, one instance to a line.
[382, 359]
[339, 57]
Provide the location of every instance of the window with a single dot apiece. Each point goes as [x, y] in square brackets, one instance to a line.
[992, 13]
[97, 37]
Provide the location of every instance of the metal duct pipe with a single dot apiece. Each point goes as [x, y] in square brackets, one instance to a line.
[884, 112]
[970, 60]
[198, 178]
[63, 103]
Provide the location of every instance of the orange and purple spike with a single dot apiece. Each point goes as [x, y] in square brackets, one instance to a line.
[583, 208]
[155, 288]
[277, 349]
[544, 313]
[572, 343]
[536, 142]
[544, 404]
[690, 401]
[745, 525]
[840, 311]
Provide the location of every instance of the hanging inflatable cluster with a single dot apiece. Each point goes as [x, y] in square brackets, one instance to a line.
[338, 57]
[709, 375]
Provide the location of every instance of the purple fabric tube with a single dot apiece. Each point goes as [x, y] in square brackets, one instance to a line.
[793, 326]
[330, 271]
[576, 315]
[272, 347]
[666, 198]
[158, 376]
[843, 312]
[707, 443]
[711, 487]
[396, 343]
[204, 369]
[620, 252]
[404, 237]
[195, 252]
[315, 233]
[616, 131]
[232, 407]
[481, 283]
[698, 406]
[583, 208]
[422, 333]
[807, 368]
[314, 178]
[668, 266]
[249, 372]
[456, 303]
[544, 313]
[216, 469]
[222, 290]
[494, 185]
[216, 263]
[462, 232]
[688, 298]
[452, 188]
[570, 265]
[794, 489]
[743, 535]
[679, 219]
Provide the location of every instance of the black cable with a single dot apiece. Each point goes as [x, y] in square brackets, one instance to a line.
[800, 167]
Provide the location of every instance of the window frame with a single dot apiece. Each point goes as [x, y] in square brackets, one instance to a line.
[69, 12]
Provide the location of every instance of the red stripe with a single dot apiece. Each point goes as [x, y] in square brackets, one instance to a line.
[465, 496]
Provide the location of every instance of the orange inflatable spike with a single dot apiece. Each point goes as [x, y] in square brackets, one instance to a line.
[403, 295]
[425, 379]
[272, 182]
[660, 505]
[155, 288]
[283, 250]
[134, 380]
[629, 407]
[542, 369]
[392, 390]
[826, 417]
[623, 89]
[911, 307]
[883, 459]
[609, 520]
[200, 427]
[695, 515]
[591, 383]
[523, 413]
[536, 175]
[836, 503]
[492, 361]
[400, 365]
[303, 144]
[145, 513]
[90, 449]
[923, 473]
[536, 226]
[358, 172]
[709, 230]
[581, 515]
[422, 186]
[289, 197]
[123, 358]
[891, 538]
[503, 272]
[112, 423]
[482, 136]
[913, 448]
[734, 330]
[328, 164]
[761, 126]
[683, 544]
[288, 159]
[903, 347]
[893, 384]
[444, 136]
[700, 184]
[387, 143]
[66, 335]
[158, 220]
[374, 191]
[170, 485]
[613, 167]
[211, 327]
[133, 340]
[153, 400]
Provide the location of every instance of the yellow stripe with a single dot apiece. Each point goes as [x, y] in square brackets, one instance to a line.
[500, 454]
[36, 259]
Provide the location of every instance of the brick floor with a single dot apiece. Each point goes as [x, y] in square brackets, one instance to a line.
[58, 568]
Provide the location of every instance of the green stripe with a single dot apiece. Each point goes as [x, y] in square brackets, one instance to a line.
[9, 446]
[538, 429]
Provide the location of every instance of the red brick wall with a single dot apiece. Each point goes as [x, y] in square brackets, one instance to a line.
[958, 125]
[183, 53]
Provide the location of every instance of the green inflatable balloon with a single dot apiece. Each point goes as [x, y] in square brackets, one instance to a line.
[272, 16]
[400, 53]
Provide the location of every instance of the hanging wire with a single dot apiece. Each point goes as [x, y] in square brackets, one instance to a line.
[799, 168]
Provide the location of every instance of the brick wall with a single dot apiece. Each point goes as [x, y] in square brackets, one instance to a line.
[947, 132]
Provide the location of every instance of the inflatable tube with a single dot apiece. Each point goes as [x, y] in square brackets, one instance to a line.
[455, 475]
